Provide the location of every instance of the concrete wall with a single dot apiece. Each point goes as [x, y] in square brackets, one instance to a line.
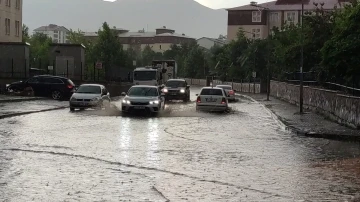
[239, 87]
[14, 60]
[342, 108]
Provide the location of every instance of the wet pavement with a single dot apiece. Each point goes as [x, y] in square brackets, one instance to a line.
[180, 155]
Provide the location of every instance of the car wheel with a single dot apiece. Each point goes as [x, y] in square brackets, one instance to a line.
[56, 95]
[72, 109]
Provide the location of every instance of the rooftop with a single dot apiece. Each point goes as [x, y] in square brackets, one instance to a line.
[215, 40]
[51, 27]
[293, 5]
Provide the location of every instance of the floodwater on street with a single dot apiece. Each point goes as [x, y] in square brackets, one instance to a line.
[180, 155]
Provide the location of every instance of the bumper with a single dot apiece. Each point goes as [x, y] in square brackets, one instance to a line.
[214, 108]
[84, 105]
[135, 108]
[177, 96]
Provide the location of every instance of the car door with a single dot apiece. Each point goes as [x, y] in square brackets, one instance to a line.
[50, 84]
[34, 83]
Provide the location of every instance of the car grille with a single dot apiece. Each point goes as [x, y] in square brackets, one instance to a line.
[139, 103]
[174, 91]
[83, 100]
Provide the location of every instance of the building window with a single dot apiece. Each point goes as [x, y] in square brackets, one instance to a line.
[18, 4]
[256, 16]
[7, 26]
[8, 3]
[56, 36]
[17, 28]
[274, 17]
[290, 17]
[257, 33]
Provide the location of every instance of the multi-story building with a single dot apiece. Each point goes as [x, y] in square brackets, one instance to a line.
[208, 43]
[10, 20]
[257, 20]
[58, 34]
[159, 41]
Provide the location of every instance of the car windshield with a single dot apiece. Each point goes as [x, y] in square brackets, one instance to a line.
[225, 87]
[175, 84]
[89, 89]
[143, 91]
[209, 91]
[144, 75]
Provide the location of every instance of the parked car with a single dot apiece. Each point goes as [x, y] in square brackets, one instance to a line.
[46, 85]
[230, 92]
[143, 98]
[176, 89]
[211, 99]
[90, 96]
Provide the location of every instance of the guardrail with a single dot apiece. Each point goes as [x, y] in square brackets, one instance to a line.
[240, 87]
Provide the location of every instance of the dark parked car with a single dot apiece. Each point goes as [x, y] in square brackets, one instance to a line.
[46, 85]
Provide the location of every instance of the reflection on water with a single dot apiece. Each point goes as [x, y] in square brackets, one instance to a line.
[152, 142]
[125, 139]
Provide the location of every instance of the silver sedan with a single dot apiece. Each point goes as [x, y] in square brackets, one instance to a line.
[90, 96]
[143, 98]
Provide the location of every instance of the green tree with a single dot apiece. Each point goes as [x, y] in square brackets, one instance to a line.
[39, 50]
[109, 50]
[25, 33]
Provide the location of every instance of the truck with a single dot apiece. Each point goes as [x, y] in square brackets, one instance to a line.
[157, 74]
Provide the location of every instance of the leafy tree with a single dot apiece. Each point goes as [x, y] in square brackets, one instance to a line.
[39, 50]
[25, 33]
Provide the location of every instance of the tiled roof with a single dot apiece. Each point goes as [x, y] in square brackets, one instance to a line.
[139, 34]
[291, 5]
[51, 27]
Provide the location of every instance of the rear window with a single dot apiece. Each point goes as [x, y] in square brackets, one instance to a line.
[225, 87]
[211, 92]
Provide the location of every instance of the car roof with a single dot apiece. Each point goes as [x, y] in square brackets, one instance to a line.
[217, 88]
[144, 86]
[52, 76]
[89, 84]
[176, 80]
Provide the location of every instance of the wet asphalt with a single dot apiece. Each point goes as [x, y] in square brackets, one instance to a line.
[179, 155]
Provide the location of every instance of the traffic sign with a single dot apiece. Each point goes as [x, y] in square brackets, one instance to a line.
[98, 65]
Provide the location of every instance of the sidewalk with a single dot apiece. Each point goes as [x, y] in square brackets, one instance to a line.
[309, 124]
[12, 98]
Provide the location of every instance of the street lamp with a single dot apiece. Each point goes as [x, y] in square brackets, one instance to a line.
[253, 3]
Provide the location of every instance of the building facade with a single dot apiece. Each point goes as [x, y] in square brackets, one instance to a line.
[258, 20]
[58, 34]
[208, 43]
[159, 41]
[11, 20]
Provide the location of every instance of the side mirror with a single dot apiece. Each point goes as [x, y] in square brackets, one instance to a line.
[197, 94]
[188, 86]
[123, 94]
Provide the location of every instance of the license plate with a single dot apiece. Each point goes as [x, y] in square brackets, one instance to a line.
[139, 107]
[210, 99]
[173, 93]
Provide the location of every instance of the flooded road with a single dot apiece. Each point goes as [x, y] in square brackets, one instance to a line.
[181, 155]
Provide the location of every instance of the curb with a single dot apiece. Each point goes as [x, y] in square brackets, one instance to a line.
[298, 131]
[21, 100]
[30, 112]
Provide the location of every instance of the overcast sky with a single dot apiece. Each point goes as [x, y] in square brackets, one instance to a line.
[215, 4]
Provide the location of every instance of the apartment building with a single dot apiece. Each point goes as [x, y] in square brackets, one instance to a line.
[11, 20]
[159, 41]
[208, 43]
[257, 20]
[58, 34]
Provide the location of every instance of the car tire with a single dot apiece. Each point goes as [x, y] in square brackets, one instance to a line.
[72, 109]
[56, 95]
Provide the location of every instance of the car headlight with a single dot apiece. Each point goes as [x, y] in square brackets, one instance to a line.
[165, 90]
[154, 102]
[126, 101]
[182, 91]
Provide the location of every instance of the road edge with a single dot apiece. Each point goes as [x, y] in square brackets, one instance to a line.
[30, 112]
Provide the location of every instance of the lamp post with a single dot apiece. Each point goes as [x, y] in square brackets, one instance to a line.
[301, 100]
[254, 4]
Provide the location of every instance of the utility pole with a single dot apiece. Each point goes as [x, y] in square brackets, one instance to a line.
[301, 101]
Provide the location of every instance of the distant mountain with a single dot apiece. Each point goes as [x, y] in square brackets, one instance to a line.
[184, 16]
